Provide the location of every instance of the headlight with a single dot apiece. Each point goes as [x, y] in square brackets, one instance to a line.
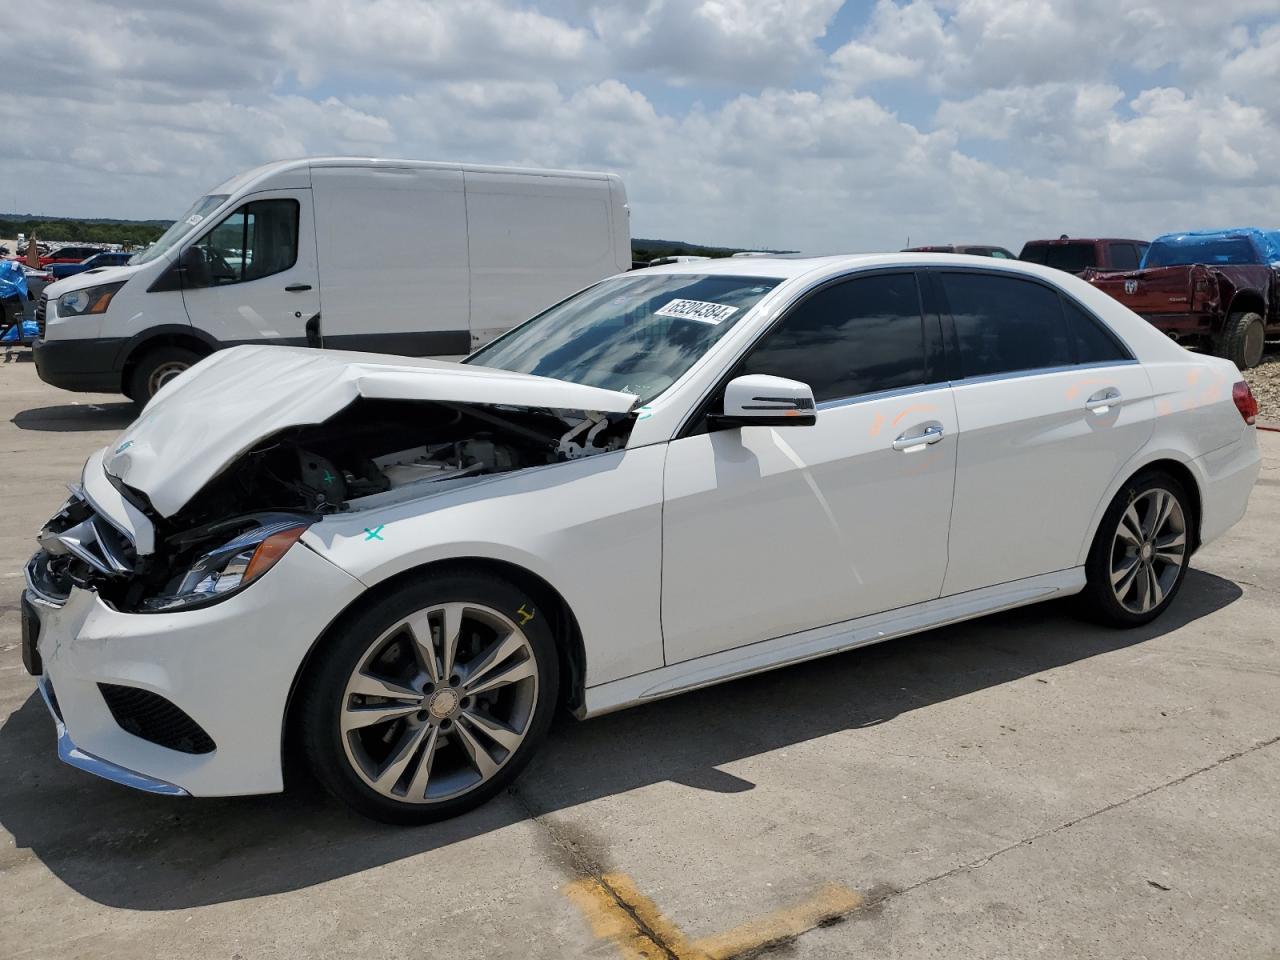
[82, 303]
[230, 567]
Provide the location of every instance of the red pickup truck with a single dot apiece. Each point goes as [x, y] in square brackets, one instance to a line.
[1078, 254]
[1218, 290]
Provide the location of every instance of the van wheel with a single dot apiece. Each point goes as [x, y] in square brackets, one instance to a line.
[431, 699]
[1243, 339]
[157, 367]
[1140, 553]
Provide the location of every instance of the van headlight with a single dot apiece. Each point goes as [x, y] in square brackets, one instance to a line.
[90, 300]
[230, 567]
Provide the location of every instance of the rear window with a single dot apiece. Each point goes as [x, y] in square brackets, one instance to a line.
[1226, 250]
[1071, 257]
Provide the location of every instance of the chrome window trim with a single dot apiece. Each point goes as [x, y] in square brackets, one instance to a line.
[1041, 371]
[882, 395]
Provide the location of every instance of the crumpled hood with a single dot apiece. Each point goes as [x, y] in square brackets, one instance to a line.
[203, 420]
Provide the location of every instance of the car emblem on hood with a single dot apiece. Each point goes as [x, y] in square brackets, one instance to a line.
[124, 446]
[1131, 286]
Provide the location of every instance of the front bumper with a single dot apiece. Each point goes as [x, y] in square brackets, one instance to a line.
[90, 365]
[229, 666]
[69, 753]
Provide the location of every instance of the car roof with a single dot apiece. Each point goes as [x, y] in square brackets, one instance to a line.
[816, 267]
[1061, 241]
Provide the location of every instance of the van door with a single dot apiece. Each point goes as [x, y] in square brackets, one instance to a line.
[252, 277]
[392, 245]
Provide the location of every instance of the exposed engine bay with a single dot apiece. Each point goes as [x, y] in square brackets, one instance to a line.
[374, 452]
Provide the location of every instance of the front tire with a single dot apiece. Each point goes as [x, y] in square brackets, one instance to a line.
[1140, 553]
[1244, 338]
[155, 368]
[431, 699]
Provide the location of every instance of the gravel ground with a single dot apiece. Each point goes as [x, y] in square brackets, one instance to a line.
[1264, 381]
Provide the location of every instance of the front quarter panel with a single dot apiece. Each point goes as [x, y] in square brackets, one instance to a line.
[591, 528]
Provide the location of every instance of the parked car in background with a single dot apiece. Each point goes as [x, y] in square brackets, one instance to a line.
[1218, 290]
[68, 254]
[676, 477]
[971, 249]
[103, 258]
[407, 257]
[1077, 254]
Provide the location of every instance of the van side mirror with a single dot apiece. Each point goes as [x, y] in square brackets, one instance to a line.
[759, 400]
[195, 268]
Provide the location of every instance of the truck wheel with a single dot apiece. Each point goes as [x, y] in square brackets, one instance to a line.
[1243, 338]
[156, 368]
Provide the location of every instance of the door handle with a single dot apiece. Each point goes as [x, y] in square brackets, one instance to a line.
[918, 441]
[297, 287]
[1101, 401]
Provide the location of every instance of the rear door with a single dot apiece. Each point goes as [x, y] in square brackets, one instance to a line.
[769, 531]
[1050, 407]
[259, 281]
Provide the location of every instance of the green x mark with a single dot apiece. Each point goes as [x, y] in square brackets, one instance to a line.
[375, 533]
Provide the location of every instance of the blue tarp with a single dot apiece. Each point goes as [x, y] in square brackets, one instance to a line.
[1215, 246]
[29, 332]
[13, 281]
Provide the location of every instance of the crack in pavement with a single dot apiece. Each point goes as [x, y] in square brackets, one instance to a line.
[987, 858]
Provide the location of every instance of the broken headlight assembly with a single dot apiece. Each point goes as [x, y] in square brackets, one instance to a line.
[230, 567]
[91, 300]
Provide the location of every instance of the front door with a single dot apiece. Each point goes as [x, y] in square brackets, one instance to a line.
[769, 531]
[256, 280]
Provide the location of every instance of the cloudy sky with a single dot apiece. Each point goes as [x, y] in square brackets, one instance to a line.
[806, 124]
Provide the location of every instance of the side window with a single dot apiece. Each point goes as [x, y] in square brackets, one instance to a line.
[999, 254]
[255, 241]
[1094, 343]
[854, 337]
[1123, 256]
[1004, 324]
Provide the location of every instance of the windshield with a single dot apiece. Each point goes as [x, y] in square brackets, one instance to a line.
[634, 334]
[199, 210]
[1227, 250]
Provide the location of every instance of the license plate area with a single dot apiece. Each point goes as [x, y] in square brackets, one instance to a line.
[30, 638]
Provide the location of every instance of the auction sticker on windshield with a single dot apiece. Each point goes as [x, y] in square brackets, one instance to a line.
[698, 310]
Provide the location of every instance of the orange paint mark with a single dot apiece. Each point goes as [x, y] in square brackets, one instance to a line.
[877, 425]
[919, 407]
[619, 913]
[1073, 391]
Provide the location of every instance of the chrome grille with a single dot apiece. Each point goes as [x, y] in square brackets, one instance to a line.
[81, 532]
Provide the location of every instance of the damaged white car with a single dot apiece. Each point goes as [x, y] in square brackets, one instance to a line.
[675, 477]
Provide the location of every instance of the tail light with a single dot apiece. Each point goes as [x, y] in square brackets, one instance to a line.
[1202, 288]
[1245, 402]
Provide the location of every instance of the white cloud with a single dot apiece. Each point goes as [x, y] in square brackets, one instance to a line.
[972, 120]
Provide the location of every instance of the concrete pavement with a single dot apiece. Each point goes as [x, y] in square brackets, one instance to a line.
[1022, 785]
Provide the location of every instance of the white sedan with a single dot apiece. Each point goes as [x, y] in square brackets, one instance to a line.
[676, 477]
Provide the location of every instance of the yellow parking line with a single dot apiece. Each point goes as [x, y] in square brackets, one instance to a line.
[830, 903]
[619, 913]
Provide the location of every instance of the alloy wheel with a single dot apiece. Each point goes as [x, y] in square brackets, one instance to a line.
[439, 702]
[163, 374]
[1149, 550]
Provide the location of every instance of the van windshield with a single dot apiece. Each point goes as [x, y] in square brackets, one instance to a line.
[199, 210]
[635, 334]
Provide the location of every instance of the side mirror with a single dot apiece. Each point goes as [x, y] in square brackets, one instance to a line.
[758, 400]
[195, 268]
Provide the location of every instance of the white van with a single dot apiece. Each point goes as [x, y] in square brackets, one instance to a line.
[387, 256]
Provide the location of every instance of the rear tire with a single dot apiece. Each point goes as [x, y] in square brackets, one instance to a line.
[157, 367]
[1243, 339]
[406, 740]
[1141, 551]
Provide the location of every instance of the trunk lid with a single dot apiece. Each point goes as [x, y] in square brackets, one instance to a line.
[202, 421]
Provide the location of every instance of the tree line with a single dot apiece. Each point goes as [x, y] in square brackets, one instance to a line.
[134, 233]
